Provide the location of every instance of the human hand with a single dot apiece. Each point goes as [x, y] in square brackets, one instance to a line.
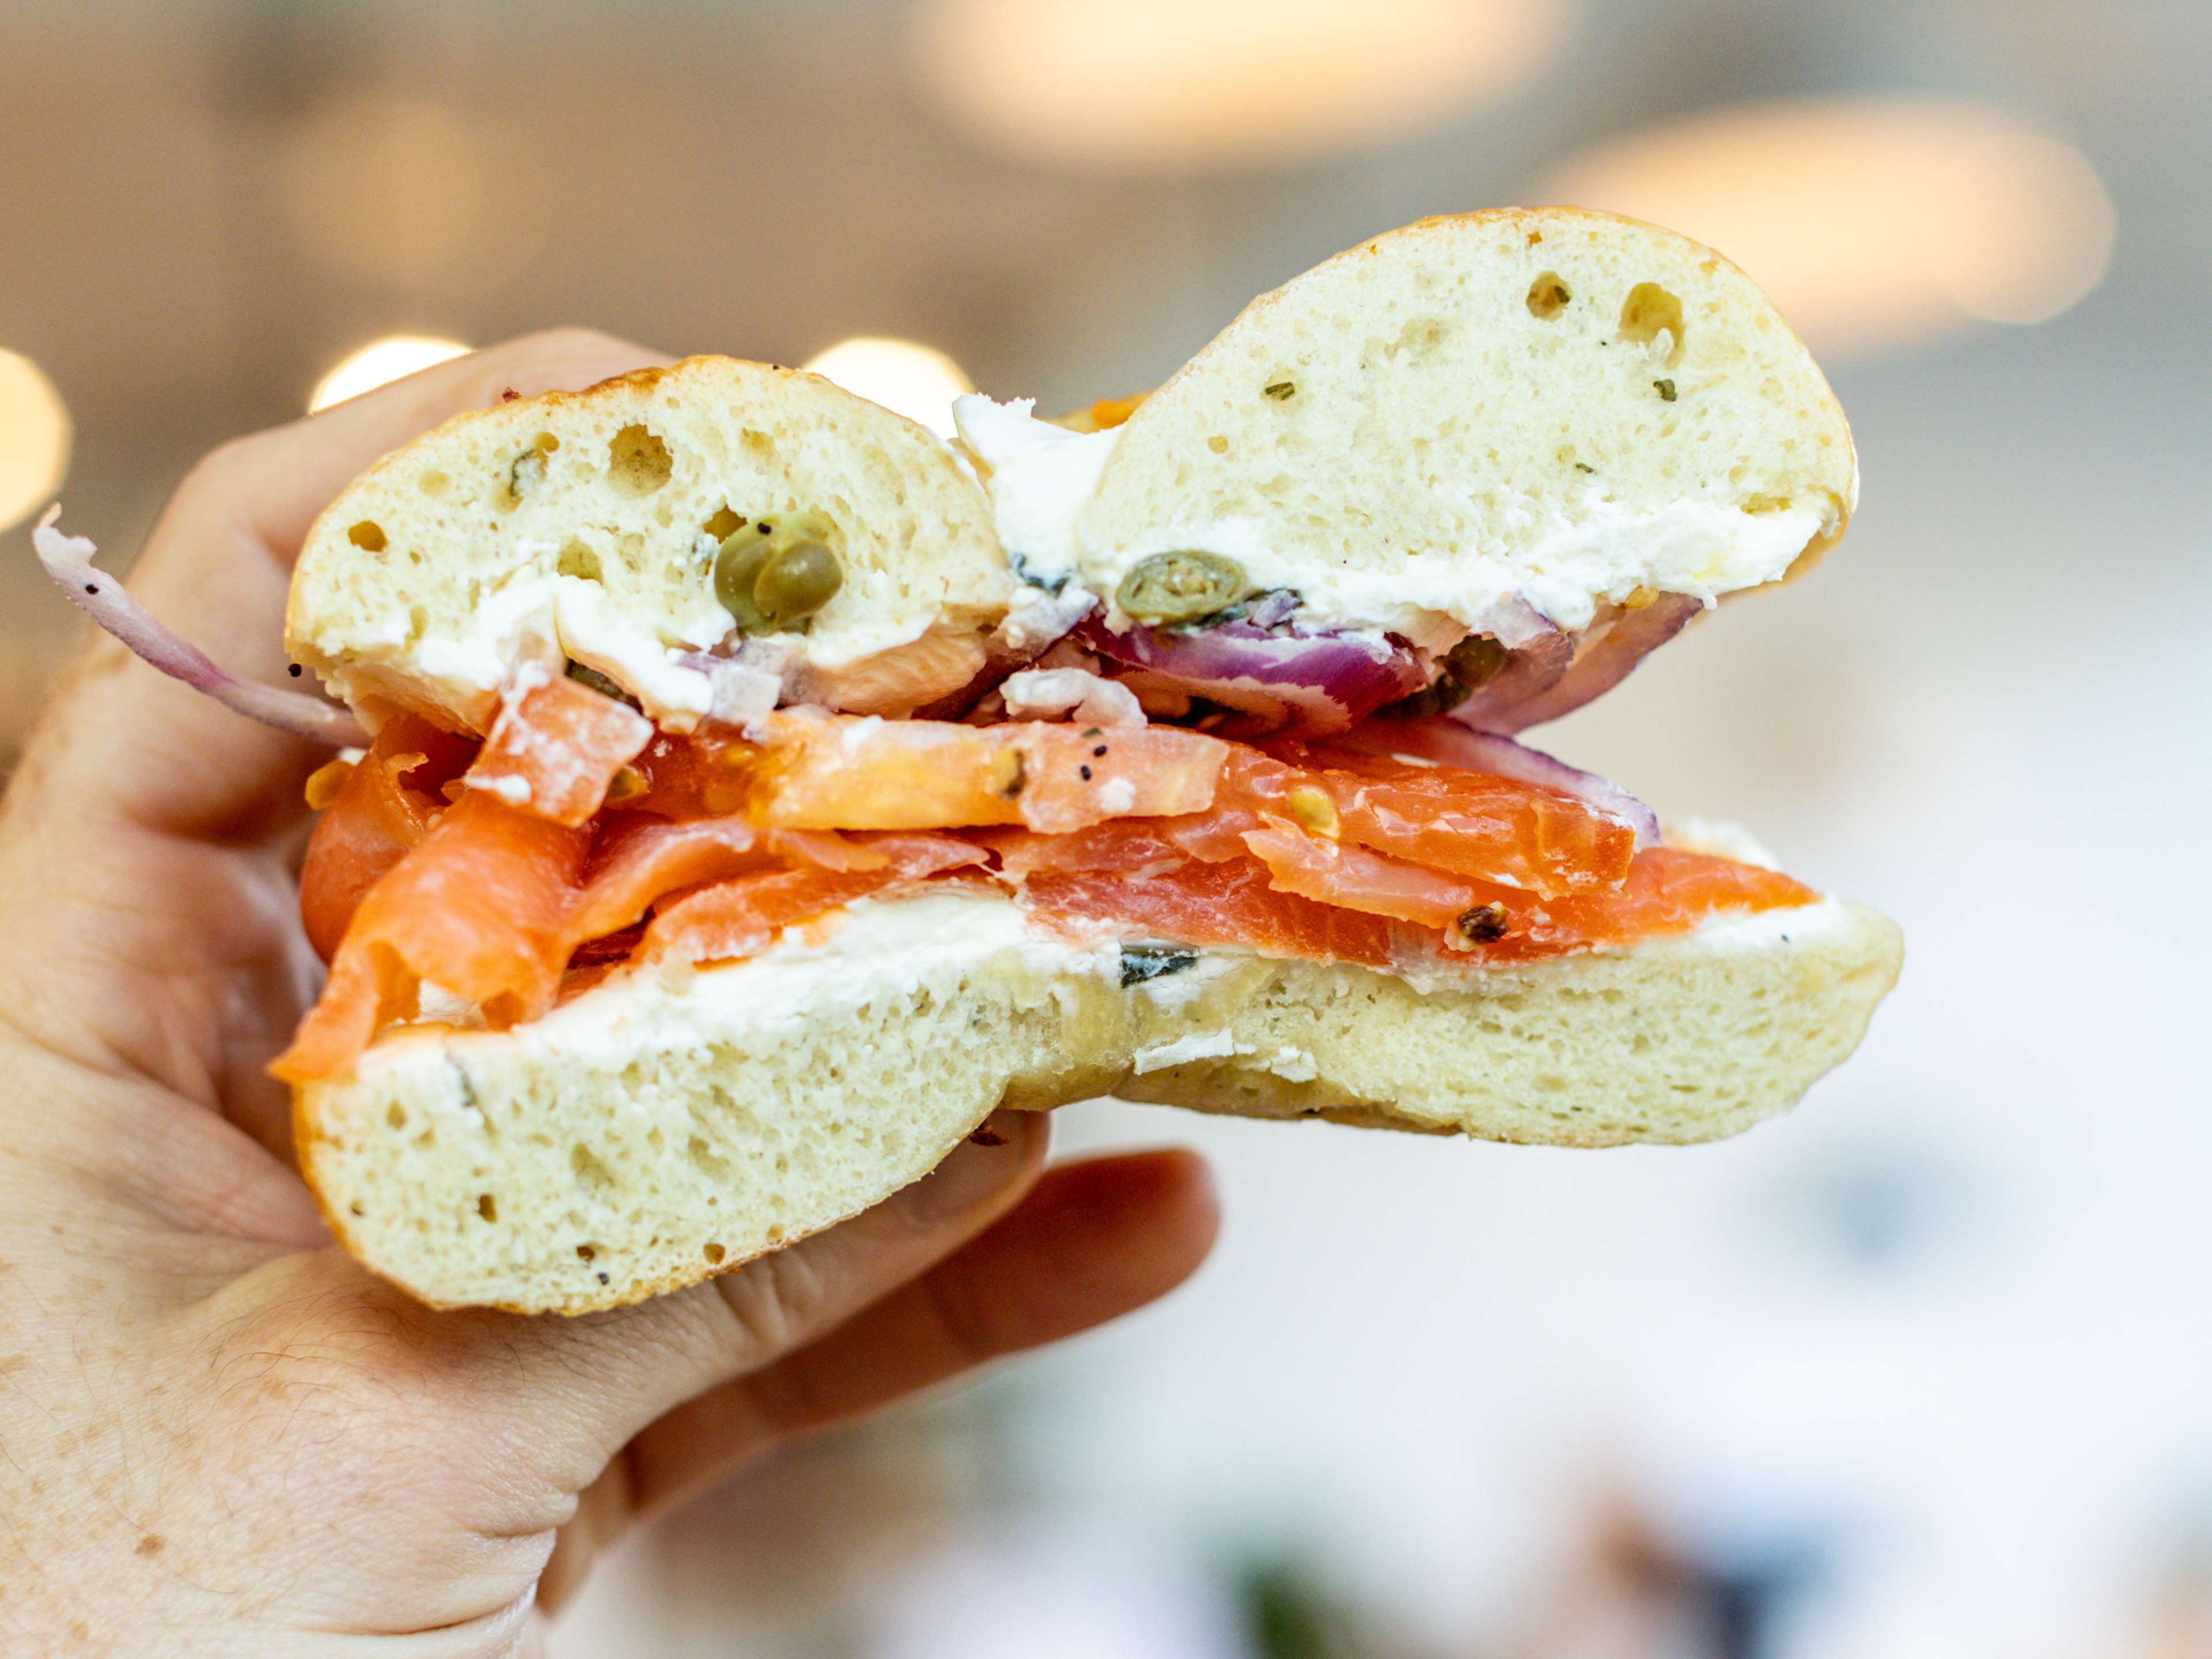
[218, 1433]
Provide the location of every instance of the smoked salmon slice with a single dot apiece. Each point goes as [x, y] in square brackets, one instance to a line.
[556, 747]
[1327, 853]
[478, 905]
[739, 917]
[382, 809]
[838, 772]
[1471, 824]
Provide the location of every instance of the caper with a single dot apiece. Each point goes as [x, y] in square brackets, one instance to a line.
[1475, 661]
[1440, 696]
[737, 565]
[586, 675]
[797, 582]
[1179, 587]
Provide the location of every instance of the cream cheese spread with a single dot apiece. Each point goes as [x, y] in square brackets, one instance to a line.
[876, 949]
[891, 948]
[1042, 477]
[538, 615]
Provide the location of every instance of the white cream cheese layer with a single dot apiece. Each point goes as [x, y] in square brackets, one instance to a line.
[876, 949]
[1042, 478]
[538, 615]
[892, 948]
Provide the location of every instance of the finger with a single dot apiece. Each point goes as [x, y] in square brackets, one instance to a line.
[217, 568]
[586, 1386]
[1094, 1240]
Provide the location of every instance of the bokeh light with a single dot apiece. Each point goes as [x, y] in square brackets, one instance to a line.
[378, 362]
[1872, 224]
[1178, 83]
[34, 439]
[917, 382]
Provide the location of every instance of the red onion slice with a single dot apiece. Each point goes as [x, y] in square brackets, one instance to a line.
[1443, 740]
[1596, 668]
[1316, 683]
[68, 560]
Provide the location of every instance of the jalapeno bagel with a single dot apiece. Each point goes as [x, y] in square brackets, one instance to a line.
[754, 792]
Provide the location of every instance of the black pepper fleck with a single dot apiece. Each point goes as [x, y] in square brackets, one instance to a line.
[1086, 775]
[1482, 924]
[1099, 753]
[92, 587]
[293, 668]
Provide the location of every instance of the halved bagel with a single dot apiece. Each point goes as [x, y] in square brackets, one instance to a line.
[586, 524]
[1560, 405]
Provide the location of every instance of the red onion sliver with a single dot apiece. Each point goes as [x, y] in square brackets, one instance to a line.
[1317, 684]
[68, 560]
[743, 692]
[1596, 668]
[1530, 671]
[1070, 693]
[1445, 740]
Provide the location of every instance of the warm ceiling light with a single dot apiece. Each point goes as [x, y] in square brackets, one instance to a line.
[917, 382]
[1870, 223]
[378, 362]
[1152, 84]
[34, 439]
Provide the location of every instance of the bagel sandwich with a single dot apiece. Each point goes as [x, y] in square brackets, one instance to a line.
[755, 791]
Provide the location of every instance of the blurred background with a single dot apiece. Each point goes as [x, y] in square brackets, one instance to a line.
[1925, 1368]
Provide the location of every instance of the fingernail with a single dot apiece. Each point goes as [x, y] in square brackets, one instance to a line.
[975, 1171]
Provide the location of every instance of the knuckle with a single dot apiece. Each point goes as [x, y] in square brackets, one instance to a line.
[772, 1301]
[216, 475]
[550, 352]
[572, 339]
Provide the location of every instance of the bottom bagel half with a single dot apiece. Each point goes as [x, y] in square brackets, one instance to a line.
[660, 1128]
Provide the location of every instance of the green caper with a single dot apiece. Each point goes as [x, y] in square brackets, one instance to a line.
[797, 582]
[737, 565]
[1179, 587]
[1475, 661]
